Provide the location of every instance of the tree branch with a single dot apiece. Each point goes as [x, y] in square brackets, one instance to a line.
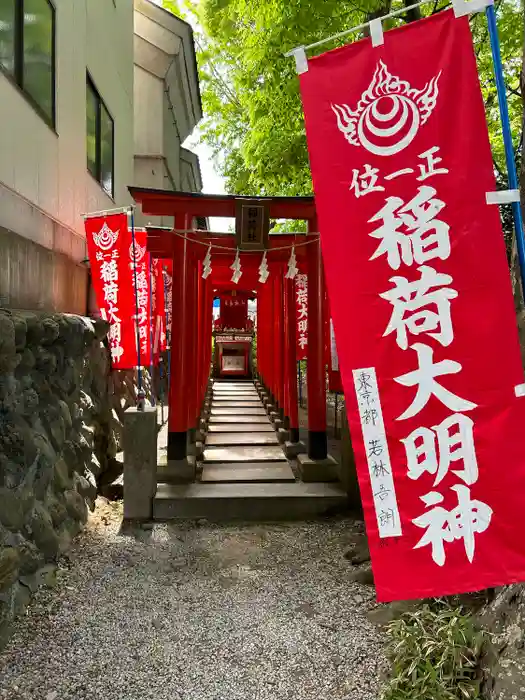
[413, 14]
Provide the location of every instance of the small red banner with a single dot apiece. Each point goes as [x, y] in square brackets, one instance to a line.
[422, 306]
[139, 265]
[107, 242]
[167, 266]
[158, 310]
[234, 312]
[301, 299]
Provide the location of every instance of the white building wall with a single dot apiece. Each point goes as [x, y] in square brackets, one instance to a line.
[167, 107]
[45, 185]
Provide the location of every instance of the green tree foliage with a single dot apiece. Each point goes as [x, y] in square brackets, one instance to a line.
[253, 115]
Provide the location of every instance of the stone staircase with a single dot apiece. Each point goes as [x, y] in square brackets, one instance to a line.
[245, 474]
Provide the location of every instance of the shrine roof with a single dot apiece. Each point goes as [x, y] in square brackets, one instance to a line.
[169, 203]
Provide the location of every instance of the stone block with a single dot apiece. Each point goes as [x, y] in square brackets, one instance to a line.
[140, 462]
[317, 470]
[293, 449]
[277, 424]
[283, 435]
[195, 449]
[178, 471]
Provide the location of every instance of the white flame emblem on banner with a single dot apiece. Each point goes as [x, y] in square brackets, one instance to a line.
[140, 251]
[105, 238]
[388, 108]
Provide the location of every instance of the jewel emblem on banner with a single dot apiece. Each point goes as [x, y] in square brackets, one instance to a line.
[105, 239]
[425, 324]
[389, 107]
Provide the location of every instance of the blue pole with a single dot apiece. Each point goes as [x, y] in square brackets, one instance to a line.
[140, 394]
[507, 136]
[151, 333]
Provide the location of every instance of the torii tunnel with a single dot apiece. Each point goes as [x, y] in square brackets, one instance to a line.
[191, 333]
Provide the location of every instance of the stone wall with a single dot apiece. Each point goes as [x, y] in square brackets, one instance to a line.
[504, 662]
[61, 413]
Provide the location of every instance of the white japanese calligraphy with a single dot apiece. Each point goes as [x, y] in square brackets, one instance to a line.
[455, 443]
[428, 169]
[425, 379]
[366, 182]
[468, 518]
[424, 236]
[111, 292]
[109, 271]
[410, 300]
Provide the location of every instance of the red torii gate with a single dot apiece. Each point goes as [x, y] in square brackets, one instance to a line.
[276, 325]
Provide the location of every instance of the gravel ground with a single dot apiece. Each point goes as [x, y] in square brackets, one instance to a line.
[186, 612]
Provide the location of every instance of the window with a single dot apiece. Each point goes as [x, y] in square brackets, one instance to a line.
[27, 50]
[100, 139]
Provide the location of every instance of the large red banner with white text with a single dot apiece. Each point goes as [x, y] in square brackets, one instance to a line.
[422, 307]
[108, 249]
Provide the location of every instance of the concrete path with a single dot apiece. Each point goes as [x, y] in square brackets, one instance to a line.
[181, 612]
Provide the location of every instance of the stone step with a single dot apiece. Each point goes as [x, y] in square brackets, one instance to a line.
[246, 438]
[263, 453]
[238, 403]
[247, 473]
[248, 389]
[266, 427]
[231, 385]
[247, 501]
[240, 419]
[228, 395]
[237, 411]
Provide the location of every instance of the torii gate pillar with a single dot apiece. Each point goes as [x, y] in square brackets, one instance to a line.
[181, 467]
[317, 465]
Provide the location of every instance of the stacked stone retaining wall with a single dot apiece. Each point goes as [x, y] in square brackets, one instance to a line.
[61, 412]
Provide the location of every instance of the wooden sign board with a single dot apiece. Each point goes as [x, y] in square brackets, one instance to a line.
[252, 224]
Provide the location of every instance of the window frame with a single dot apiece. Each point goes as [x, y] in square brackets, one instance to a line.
[90, 84]
[17, 76]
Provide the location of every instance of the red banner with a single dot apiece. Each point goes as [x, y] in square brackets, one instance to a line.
[422, 306]
[301, 298]
[158, 311]
[141, 277]
[107, 242]
[168, 297]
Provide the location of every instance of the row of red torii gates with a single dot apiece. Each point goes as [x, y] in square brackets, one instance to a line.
[192, 304]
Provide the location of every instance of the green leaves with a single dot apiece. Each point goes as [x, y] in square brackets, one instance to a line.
[254, 120]
[435, 655]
